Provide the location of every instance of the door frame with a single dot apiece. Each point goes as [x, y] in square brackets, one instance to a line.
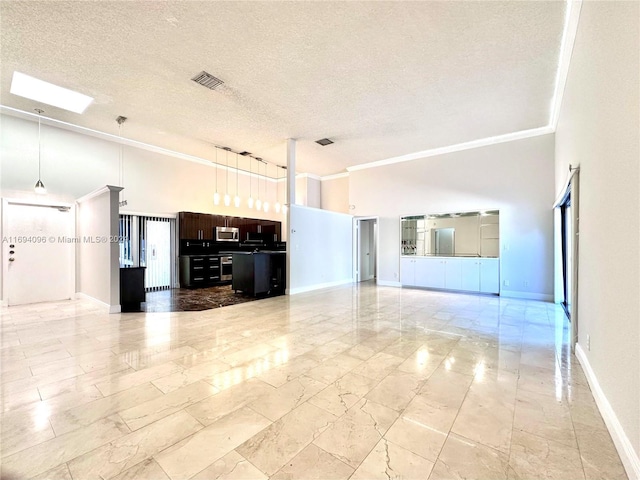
[570, 191]
[6, 202]
[356, 246]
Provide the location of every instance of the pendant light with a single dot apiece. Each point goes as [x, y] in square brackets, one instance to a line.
[265, 204]
[250, 200]
[39, 188]
[227, 197]
[120, 120]
[216, 195]
[236, 200]
[258, 201]
[277, 205]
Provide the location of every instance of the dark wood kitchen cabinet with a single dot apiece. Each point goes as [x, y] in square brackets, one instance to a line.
[199, 270]
[201, 226]
[196, 226]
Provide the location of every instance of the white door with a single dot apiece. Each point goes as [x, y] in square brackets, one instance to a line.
[38, 260]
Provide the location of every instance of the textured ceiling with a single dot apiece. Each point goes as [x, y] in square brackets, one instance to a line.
[381, 79]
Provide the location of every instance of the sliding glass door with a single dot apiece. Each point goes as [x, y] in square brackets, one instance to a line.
[149, 242]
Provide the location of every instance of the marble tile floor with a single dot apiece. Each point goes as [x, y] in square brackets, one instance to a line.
[359, 382]
[193, 299]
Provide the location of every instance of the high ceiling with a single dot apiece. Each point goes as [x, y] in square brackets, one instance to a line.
[381, 79]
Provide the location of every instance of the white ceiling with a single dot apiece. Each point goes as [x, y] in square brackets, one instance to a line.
[381, 79]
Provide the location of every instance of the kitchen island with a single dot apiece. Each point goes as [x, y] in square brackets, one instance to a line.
[259, 273]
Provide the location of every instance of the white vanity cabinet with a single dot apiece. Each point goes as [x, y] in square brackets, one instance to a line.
[451, 273]
[408, 270]
[490, 275]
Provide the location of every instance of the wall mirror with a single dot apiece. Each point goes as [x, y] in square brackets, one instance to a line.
[459, 234]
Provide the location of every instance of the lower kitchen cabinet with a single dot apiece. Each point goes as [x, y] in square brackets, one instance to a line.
[199, 270]
[451, 273]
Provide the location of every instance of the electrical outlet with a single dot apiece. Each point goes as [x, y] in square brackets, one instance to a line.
[506, 283]
[395, 275]
[588, 342]
[525, 283]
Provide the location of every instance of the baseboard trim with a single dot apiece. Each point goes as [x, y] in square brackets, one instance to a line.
[387, 283]
[545, 297]
[111, 308]
[318, 286]
[628, 455]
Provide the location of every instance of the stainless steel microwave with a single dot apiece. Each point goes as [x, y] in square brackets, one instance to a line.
[227, 234]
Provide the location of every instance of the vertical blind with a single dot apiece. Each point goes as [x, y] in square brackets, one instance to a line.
[155, 252]
[125, 230]
[151, 238]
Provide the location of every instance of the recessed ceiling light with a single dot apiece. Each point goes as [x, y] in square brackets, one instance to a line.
[324, 142]
[45, 92]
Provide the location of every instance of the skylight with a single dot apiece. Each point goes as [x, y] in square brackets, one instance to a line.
[45, 92]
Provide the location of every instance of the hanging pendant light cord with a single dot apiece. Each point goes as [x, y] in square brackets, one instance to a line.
[39, 129]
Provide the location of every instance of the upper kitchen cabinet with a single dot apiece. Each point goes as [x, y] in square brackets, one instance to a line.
[200, 226]
[188, 225]
[196, 226]
[271, 228]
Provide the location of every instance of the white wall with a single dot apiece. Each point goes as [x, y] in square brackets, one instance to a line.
[320, 249]
[334, 194]
[308, 191]
[74, 164]
[599, 130]
[97, 268]
[514, 177]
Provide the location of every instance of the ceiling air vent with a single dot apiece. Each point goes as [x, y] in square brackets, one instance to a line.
[324, 142]
[207, 80]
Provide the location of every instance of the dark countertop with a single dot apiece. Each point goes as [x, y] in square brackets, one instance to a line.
[269, 252]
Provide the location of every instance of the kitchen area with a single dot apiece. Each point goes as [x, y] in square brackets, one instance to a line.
[223, 260]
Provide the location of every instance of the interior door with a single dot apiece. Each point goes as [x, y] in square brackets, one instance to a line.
[366, 249]
[38, 251]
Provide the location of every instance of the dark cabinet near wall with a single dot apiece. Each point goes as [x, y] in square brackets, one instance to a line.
[132, 292]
